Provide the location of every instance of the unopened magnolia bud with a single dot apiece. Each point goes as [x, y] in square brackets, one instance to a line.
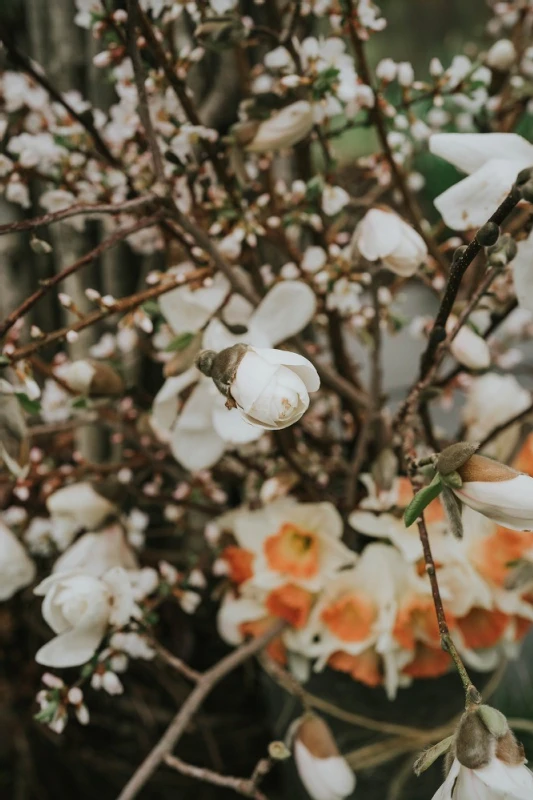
[454, 456]
[278, 751]
[526, 190]
[39, 246]
[92, 378]
[473, 742]
[322, 769]
[500, 254]
[494, 720]
[460, 251]
[524, 176]
[204, 361]
[488, 234]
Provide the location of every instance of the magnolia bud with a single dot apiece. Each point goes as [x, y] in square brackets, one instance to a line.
[322, 769]
[488, 234]
[454, 456]
[92, 378]
[501, 253]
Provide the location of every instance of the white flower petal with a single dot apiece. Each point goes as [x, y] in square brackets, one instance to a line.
[188, 310]
[514, 783]
[165, 404]
[297, 363]
[232, 428]
[523, 273]
[286, 310]
[471, 151]
[469, 203]
[510, 502]
[445, 791]
[233, 612]
[72, 648]
[197, 449]
[378, 234]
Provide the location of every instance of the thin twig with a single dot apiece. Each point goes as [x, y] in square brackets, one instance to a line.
[178, 725]
[176, 663]
[515, 419]
[49, 283]
[80, 208]
[244, 786]
[138, 72]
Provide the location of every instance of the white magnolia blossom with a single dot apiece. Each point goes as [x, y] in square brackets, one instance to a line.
[468, 347]
[96, 553]
[383, 236]
[271, 387]
[204, 428]
[17, 570]
[75, 507]
[322, 770]
[523, 273]
[492, 162]
[187, 310]
[496, 781]
[501, 55]
[491, 401]
[284, 129]
[79, 608]
[498, 492]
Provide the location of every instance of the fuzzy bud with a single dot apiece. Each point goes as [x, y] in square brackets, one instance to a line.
[454, 456]
[500, 254]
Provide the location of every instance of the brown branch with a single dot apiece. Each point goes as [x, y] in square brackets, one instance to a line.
[123, 305]
[49, 283]
[244, 786]
[37, 73]
[520, 417]
[176, 663]
[178, 725]
[471, 693]
[79, 208]
[138, 72]
[378, 119]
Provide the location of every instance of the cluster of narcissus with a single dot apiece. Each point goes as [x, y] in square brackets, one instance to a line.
[371, 614]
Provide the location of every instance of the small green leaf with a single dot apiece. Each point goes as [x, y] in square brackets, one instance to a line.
[453, 480]
[180, 342]
[422, 499]
[47, 714]
[79, 402]
[430, 755]
[151, 307]
[31, 406]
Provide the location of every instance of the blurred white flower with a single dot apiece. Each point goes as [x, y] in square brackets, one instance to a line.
[79, 608]
[75, 507]
[334, 199]
[16, 567]
[383, 236]
[271, 387]
[313, 259]
[284, 129]
[468, 347]
[501, 55]
[96, 553]
[523, 273]
[187, 310]
[492, 161]
[492, 400]
[322, 770]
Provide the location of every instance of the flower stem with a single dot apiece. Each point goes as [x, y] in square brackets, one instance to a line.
[472, 696]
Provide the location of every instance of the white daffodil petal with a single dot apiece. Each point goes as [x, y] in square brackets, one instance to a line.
[471, 151]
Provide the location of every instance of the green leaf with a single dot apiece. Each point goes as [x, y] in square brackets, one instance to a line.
[47, 714]
[422, 499]
[79, 402]
[151, 307]
[427, 758]
[180, 342]
[31, 406]
[452, 479]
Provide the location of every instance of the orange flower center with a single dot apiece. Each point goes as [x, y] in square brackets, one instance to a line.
[429, 662]
[291, 603]
[482, 628]
[417, 620]
[239, 562]
[275, 649]
[493, 555]
[350, 618]
[366, 667]
[293, 551]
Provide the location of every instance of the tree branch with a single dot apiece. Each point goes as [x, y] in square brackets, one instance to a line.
[178, 725]
[244, 786]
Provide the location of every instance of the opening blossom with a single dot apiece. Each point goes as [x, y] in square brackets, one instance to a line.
[284, 129]
[383, 236]
[79, 608]
[17, 570]
[492, 162]
[204, 427]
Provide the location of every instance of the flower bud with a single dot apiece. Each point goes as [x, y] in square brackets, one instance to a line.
[498, 492]
[271, 387]
[454, 456]
[488, 234]
[92, 378]
[468, 347]
[383, 236]
[501, 253]
[501, 55]
[322, 770]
